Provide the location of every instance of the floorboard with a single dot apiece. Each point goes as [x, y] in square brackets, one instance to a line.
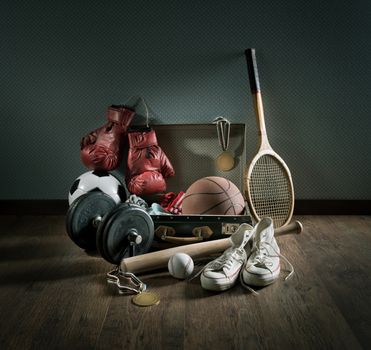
[54, 296]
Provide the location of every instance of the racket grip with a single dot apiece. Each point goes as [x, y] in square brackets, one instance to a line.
[252, 69]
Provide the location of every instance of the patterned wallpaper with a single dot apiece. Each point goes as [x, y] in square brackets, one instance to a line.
[64, 62]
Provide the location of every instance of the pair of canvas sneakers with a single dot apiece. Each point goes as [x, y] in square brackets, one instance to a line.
[254, 257]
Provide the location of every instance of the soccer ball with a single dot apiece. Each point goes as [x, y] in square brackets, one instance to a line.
[97, 181]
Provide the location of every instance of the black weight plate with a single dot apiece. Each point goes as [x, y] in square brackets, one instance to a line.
[106, 253]
[81, 214]
[114, 242]
[114, 239]
[102, 232]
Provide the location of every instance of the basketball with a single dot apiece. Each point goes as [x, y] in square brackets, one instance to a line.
[213, 195]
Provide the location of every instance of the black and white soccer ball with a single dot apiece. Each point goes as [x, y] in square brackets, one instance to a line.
[97, 181]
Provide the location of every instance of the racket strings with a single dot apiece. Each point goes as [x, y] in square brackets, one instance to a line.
[270, 190]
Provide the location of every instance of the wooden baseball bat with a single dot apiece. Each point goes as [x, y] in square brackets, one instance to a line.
[156, 260]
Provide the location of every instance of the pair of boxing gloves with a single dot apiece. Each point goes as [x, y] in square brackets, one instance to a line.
[147, 164]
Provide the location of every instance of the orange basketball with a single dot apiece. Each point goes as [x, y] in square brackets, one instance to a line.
[213, 195]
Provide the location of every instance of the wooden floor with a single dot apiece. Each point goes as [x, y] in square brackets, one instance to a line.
[54, 296]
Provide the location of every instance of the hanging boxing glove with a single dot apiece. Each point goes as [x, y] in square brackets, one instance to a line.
[102, 148]
[147, 165]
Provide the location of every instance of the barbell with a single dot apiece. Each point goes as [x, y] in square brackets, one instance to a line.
[95, 222]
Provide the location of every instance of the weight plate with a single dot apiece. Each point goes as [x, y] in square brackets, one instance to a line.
[116, 233]
[120, 227]
[102, 233]
[82, 214]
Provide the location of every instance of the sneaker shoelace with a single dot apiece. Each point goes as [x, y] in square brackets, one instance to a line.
[225, 260]
[229, 258]
[260, 260]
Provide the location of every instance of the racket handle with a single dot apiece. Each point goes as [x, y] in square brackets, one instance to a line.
[252, 69]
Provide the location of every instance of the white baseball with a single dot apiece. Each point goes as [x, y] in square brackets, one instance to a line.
[180, 265]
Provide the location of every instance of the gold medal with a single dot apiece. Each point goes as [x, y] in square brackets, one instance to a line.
[225, 161]
[146, 299]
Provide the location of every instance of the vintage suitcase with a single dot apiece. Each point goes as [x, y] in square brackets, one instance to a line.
[186, 229]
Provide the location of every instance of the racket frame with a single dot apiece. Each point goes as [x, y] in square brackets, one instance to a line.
[264, 145]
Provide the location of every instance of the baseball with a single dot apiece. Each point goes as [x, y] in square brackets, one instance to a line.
[180, 265]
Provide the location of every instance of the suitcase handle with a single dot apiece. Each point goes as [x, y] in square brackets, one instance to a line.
[167, 234]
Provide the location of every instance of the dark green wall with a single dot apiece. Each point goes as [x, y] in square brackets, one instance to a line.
[64, 62]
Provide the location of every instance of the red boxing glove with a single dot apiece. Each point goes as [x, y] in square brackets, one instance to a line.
[102, 148]
[147, 165]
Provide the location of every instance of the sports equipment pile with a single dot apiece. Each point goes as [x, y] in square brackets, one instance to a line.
[125, 219]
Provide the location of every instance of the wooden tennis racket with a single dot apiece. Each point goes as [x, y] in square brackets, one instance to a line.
[268, 183]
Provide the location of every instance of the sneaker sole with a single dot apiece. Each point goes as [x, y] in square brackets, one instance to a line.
[209, 284]
[258, 280]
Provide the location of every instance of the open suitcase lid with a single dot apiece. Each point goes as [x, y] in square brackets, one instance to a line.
[193, 150]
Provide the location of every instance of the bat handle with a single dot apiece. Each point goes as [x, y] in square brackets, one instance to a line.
[252, 69]
[292, 227]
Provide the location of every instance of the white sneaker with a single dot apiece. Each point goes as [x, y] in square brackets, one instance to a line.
[222, 273]
[263, 265]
